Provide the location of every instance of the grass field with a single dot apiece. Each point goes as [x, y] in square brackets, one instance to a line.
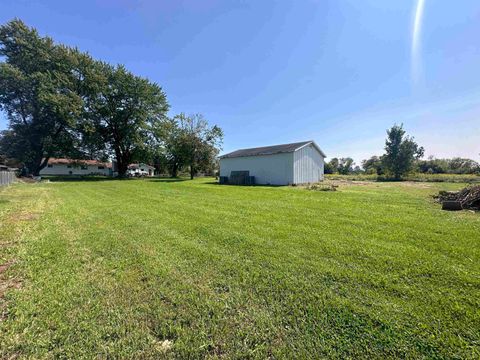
[190, 269]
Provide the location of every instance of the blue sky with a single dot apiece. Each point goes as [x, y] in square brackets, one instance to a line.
[337, 71]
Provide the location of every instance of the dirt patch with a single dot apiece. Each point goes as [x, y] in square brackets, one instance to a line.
[6, 244]
[6, 282]
[416, 184]
[345, 182]
[5, 267]
[24, 217]
[27, 180]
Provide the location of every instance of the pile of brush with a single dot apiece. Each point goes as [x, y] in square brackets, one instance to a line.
[467, 198]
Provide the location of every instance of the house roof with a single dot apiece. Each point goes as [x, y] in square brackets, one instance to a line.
[65, 161]
[271, 150]
[137, 166]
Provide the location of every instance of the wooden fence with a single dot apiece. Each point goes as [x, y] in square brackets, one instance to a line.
[7, 177]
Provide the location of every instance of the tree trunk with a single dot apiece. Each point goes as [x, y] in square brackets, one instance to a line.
[192, 172]
[122, 169]
[39, 164]
[174, 170]
[123, 160]
[38, 168]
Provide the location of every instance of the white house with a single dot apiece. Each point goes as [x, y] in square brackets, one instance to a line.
[296, 163]
[57, 166]
[140, 170]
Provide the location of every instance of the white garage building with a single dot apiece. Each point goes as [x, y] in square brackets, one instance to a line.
[296, 163]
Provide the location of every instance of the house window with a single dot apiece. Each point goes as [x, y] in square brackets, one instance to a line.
[50, 165]
[101, 167]
[84, 167]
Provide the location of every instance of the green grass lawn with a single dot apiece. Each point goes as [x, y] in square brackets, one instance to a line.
[191, 269]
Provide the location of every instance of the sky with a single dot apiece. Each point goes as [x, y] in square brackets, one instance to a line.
[339, 72]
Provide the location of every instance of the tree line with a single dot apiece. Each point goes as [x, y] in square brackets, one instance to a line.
[402, 156]
[61, 102]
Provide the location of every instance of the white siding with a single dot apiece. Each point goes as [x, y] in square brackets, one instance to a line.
[308, 165]
[61, 169]
[274, 169]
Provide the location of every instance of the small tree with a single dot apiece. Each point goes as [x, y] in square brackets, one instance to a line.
[401, 152]
[342, 166]
[199, 143]
[332, 166]
[373, 165]
[345, 166]
[190, 141]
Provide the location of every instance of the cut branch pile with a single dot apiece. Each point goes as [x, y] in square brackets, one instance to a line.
[467, 198]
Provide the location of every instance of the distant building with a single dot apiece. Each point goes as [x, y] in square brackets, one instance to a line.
[296, 163]
[140, 170]
[64, 166]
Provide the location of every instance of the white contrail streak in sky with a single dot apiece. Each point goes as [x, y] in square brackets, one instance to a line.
[416, 34]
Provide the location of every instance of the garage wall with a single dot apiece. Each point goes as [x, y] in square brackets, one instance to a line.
[308, 165]
[268, 169]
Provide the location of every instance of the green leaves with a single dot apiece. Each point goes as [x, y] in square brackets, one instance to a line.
[38, 92]
[61, 102]
[401, 152]
[190, 141]
[122, 110]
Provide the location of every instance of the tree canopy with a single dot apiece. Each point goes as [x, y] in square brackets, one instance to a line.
[189, 141]
[62, 102]
[121, 113]
[341, 166]
[38, 93]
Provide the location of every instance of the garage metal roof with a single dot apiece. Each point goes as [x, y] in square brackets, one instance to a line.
[271, 150]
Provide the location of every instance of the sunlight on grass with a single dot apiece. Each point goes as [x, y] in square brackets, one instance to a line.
[191, 269]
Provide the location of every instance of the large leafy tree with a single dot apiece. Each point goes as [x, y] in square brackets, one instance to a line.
[38, 92]
[401, 152]
[121, 113]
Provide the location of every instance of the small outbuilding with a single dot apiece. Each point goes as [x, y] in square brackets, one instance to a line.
[295, 163]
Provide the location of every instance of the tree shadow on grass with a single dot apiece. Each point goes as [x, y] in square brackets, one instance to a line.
[73, 178]
[243, 186]
[168, 180]
[79, 178]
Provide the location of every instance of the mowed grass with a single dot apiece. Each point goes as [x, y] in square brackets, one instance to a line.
[190, 269]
